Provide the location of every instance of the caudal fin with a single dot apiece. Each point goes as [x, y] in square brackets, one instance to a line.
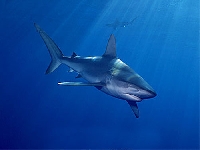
[54, 51]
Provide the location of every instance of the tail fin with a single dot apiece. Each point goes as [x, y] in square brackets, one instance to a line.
[54, 51]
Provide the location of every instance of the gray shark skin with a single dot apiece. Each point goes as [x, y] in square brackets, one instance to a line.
[107, 72]
[118, 24]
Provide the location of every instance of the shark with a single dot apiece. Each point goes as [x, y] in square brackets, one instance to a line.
[116, 24]
[107, 73]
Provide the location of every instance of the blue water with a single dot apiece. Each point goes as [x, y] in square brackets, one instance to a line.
[162, 45]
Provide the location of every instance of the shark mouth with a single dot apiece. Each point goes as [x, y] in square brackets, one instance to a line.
[132, 97]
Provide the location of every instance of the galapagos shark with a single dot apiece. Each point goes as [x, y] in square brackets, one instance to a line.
[107, 72]
[118, 24]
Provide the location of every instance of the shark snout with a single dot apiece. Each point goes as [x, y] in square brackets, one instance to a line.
[147, 94]
[151, 93]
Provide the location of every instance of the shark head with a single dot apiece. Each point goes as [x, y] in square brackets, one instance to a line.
[137, 90]
[122, 81]
[125, 83]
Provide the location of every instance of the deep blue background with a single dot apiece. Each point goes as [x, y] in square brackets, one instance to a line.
[162, 45]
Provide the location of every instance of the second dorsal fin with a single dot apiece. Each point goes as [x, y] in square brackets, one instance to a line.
[73, 55]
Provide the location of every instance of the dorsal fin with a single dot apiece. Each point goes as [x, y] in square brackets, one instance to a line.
[111, 48]
[73, 55]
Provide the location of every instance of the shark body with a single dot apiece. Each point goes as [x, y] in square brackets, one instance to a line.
[107, 72]
[116, 24]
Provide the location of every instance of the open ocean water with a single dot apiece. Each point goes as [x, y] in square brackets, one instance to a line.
[162, 45]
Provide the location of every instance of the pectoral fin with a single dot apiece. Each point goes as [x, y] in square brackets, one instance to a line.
[80, 84]
[134, 108]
